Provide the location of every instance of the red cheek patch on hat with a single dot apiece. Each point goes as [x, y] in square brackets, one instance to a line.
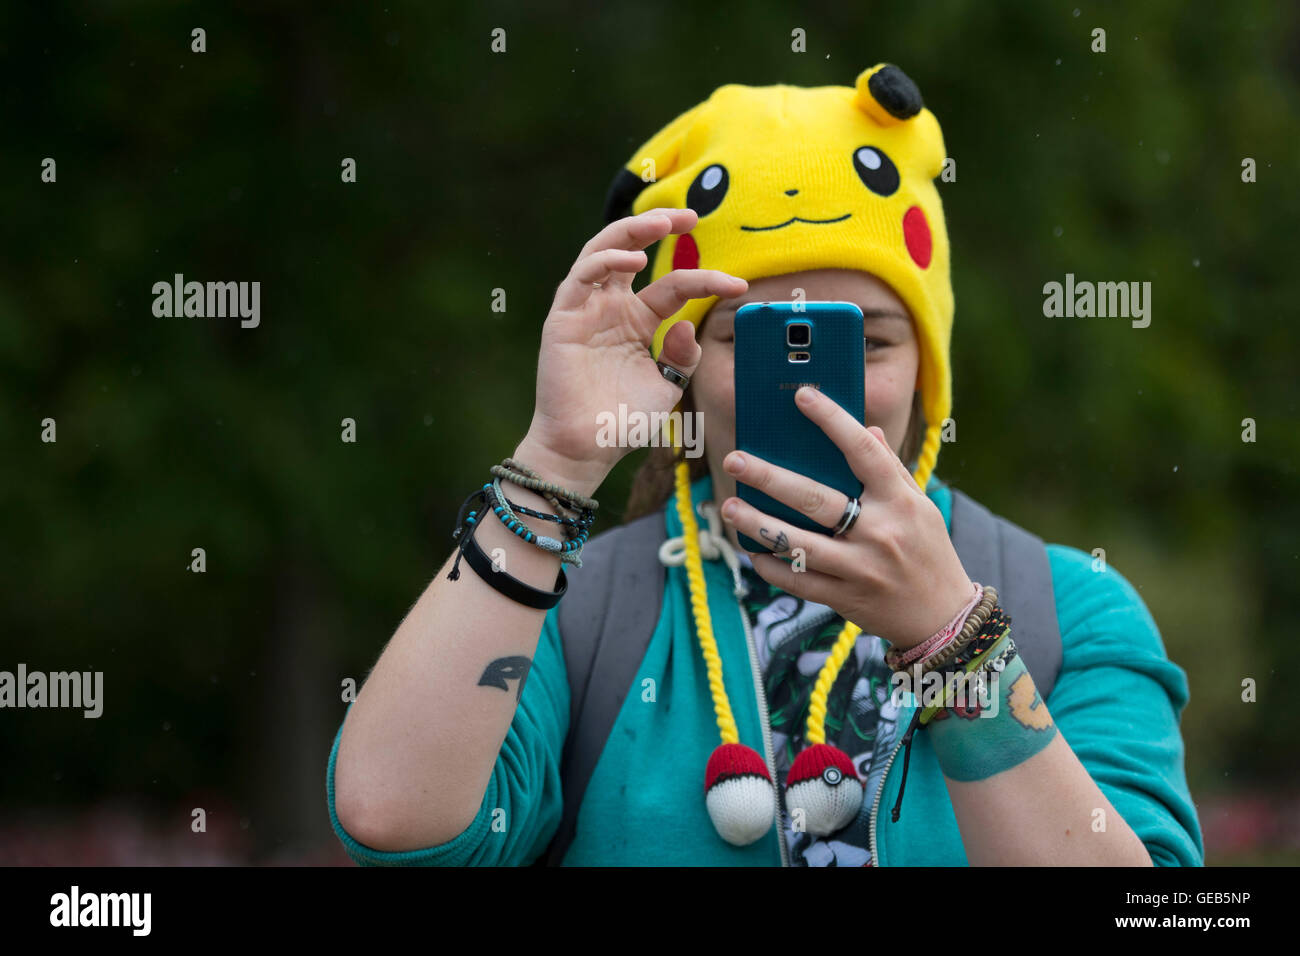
[686, 254]
[916, 233]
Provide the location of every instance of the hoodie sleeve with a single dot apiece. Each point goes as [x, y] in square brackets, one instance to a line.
[1118, 702]
[524, 785]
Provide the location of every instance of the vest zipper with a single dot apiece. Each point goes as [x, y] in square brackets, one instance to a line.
[880, 792]
[761, 700]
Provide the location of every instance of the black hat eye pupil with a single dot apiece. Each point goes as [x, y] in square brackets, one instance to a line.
[876, 170]
[708, 190]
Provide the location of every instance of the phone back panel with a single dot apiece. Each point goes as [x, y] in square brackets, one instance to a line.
[768, 422]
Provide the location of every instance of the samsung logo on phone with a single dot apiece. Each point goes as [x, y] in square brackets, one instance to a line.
[798, 385]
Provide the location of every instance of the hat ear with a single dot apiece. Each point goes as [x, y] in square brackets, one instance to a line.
[657, 158]
[623, 190]
[888, 95]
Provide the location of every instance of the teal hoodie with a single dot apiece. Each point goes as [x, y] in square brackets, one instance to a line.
[1117, 701]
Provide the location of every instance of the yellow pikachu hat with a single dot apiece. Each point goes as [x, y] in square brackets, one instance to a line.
[785, 179]
[788, 178]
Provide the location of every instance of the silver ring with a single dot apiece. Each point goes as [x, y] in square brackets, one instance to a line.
[674, 376]
[851, 511]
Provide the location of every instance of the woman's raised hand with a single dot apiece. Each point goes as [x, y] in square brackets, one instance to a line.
[595, 351]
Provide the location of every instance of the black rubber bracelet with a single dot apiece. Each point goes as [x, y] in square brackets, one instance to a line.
[512, 587]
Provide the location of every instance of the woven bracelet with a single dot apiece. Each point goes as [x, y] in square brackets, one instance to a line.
[901, 660]
[974, 622]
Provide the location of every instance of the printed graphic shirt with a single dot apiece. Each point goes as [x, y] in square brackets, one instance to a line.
[793, 639]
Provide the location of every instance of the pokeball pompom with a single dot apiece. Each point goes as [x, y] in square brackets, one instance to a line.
[739, 794]
[823, 783]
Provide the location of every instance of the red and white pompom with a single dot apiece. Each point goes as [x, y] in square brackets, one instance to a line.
[740, 794]
[824, 785]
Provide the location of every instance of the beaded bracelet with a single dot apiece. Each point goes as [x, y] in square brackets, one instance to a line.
[573, 527]
[970, 627]
[568, 551]
[525, 477]
[999, 661]
[970, 632]
[560, 498]
[940, 639]
[544, 515]
[974, 620]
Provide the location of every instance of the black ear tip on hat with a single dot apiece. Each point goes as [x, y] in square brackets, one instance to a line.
[623, 190]
[894, 90]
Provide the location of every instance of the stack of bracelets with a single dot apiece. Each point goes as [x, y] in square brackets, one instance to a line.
[977, 640]
[574, 513]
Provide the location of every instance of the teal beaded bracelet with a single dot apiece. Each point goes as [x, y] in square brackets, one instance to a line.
[569, 552]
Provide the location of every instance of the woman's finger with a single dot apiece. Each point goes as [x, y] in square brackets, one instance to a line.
[867, 455]
[666, 295]
[680, 350]
[604, 265]
[819, 552]
[629, 234]
[604, 269]
[810, 498]
[641, 230]
[906, 475]
[807, 584]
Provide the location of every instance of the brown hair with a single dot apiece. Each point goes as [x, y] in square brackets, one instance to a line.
[655, 480]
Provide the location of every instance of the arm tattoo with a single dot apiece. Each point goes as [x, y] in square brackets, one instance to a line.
[505, 669]
[1003, 730]
[779, 544]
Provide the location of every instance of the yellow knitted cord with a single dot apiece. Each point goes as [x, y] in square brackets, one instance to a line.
[826, 679]
[927, 457]
[700, 606]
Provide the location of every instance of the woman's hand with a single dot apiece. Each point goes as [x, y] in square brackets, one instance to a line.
[895, 572]
[595, 351]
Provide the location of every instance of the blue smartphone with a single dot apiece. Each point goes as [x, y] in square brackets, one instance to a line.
[779, 347]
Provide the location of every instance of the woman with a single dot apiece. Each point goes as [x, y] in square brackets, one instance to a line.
[768, 692]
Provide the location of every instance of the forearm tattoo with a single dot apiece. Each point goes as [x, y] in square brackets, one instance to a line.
[974, 742]
[505, 669]
[780, 543]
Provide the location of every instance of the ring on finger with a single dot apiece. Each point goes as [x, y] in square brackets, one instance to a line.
[673, 375]
[852, 509]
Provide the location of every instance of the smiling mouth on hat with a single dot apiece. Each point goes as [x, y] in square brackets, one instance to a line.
[816, 222]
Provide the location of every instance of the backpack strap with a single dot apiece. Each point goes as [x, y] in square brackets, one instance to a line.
[606, 620]
[995, 551]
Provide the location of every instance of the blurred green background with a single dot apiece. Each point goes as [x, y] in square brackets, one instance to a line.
[478, 171]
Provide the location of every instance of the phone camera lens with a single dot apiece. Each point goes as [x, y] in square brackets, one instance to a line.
[798, 334]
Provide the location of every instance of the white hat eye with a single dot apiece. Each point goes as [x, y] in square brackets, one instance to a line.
[832, 776]
[876, 170]
[869, 158]
[708, 190]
